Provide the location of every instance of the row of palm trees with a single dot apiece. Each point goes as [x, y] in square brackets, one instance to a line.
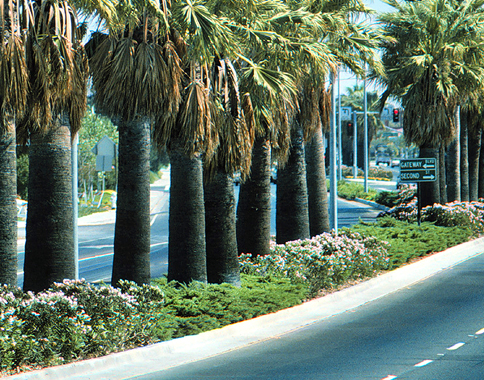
[206, 79]
[226, 86]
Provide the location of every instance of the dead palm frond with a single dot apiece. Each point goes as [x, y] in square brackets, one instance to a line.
[13, 67]
[234, 131]
[56, 63]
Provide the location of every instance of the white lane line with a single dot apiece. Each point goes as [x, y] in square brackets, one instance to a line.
[480, 332]
[97, 246]
[153, 221]
[389, 377]
[423, 363]
[102, 255]
[96, 257]
[455, 346]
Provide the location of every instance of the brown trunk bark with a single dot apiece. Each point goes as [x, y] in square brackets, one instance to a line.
[132, 230]
[49, 248]
[292, 218]
[8, 205]
[254, 207]
[318, 202]
[187, 259]
[221, 238]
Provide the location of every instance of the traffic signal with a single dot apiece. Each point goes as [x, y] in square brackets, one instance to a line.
[396, 115]
[349, 128]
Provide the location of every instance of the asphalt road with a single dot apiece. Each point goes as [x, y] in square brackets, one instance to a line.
[430, 330]
[96, 242]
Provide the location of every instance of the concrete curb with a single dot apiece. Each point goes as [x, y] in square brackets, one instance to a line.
[168, 354]
[372, 204]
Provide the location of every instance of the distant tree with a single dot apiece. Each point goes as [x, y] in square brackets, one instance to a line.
[94, 128]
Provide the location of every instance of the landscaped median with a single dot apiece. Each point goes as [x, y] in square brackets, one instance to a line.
[76, 320]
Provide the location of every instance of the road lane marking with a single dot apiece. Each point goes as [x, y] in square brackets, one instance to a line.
[96, 257]
[455, 346]
[97, 246]
[389, 377]
[423, 363]
[480, 332]
[153, 220]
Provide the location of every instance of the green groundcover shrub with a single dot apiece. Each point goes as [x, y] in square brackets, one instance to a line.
[352, 190]
[408, 240]
[374, 173]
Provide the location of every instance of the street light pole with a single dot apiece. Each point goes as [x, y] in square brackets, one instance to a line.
[355, 146]
[340, 149]
[333, 210]
[365, 139]
[75, 206]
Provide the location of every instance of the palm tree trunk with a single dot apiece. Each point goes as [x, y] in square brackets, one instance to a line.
[453, 164]
[187, 259]
[132, 230]
[49, 248]
[292, 218]
[316, 184]
[254, 207]
[8, 205]
[464, 158]
[221, 238]
[474, 155]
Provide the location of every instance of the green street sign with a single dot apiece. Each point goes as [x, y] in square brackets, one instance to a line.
[418, 170]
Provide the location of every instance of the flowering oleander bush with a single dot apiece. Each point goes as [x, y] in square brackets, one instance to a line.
[325, 261]
[469, 214]
[73, 320]
[463, 214]
[77, 320]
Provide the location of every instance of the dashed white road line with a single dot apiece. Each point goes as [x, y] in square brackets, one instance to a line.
[389, 377]
[455, 346]
[480, 332]
[423, 363]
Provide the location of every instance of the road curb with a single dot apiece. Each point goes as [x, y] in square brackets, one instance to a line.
[372, 204]
[168, 354]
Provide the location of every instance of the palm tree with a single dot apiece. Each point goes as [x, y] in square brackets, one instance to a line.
[235, 136]
[190, 134]
[339, 40]
[137, 55]
[318, 202]
[13, 93]
[432, 64]
[57, 69]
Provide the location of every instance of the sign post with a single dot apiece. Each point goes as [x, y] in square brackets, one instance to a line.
[417, 170]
